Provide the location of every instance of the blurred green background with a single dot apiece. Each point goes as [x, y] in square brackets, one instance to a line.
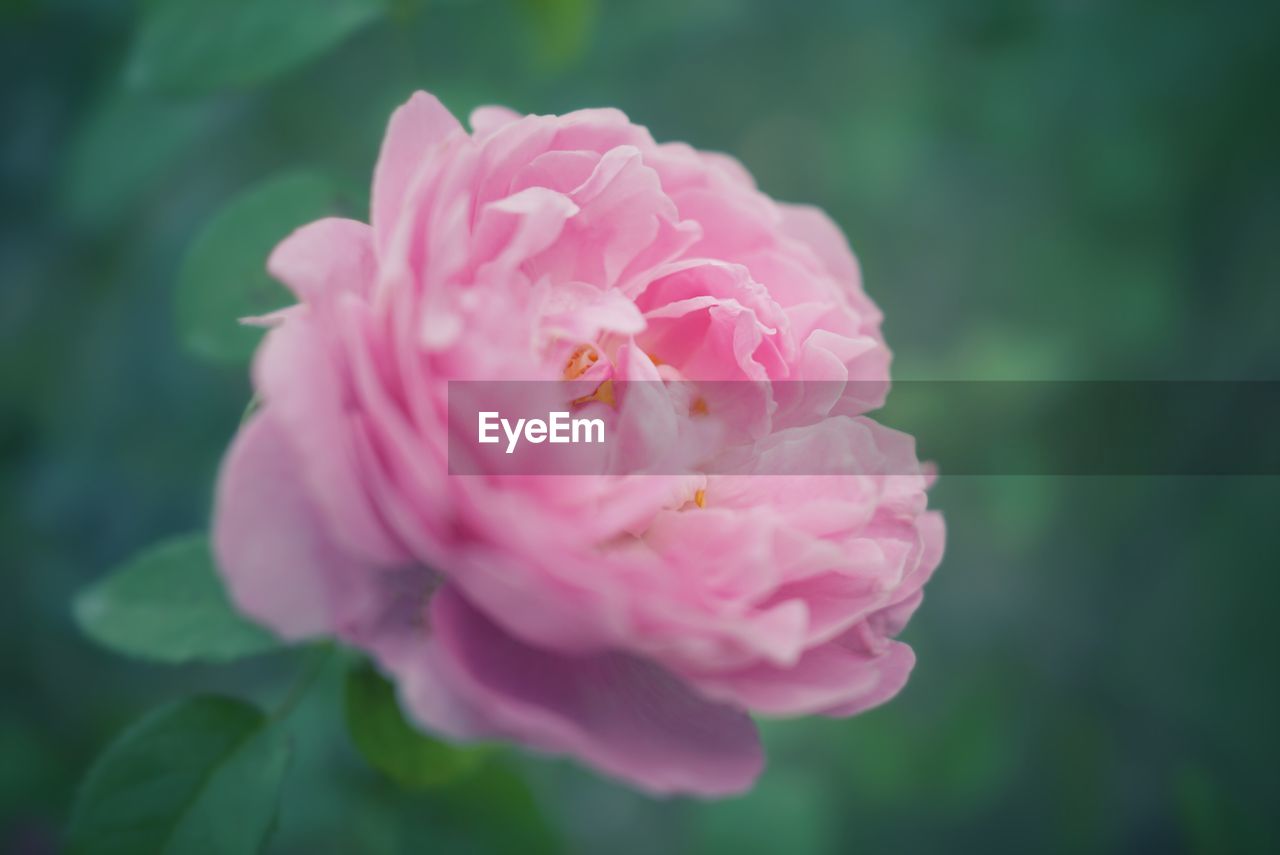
[1078, 189]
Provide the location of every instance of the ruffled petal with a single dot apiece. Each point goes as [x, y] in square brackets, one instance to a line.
[325, 258]
[488, 118]
[841, 678]
[415, 128]
[321, 427]
[271, 544]
[623, 715]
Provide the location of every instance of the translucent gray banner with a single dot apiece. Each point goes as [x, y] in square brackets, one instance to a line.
[825, 428]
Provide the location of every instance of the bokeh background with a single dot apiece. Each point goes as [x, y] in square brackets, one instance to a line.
[1037, 189]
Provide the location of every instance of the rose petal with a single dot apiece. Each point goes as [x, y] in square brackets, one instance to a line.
[840, 678]
[326, 257]
[624, 715]
[272, 547]
[488, 118]
[414, 129]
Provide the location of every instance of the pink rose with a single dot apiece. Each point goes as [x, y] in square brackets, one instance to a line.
[633, 622]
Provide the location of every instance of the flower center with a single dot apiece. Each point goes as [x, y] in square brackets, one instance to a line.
[580, 361]
[582, 358]
[603, 394]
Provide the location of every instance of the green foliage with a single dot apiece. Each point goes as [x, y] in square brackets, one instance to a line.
[781, 814]
[199, 46]
[224, 276]
[392, 745]
[960, 758]
[491, 810]
[169, 605]
[199, 777]
[560, 29]
[471, 794]
[122, 148]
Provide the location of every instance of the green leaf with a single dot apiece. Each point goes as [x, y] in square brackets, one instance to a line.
[492, 810]
[122, 149]
[169, 605]
[224, 276]
[199, 776]
[392, 745]
[202, 46]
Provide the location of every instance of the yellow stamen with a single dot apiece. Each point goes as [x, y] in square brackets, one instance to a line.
[603, 394]
[582, 358]
[699, 407]
[700, 498]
